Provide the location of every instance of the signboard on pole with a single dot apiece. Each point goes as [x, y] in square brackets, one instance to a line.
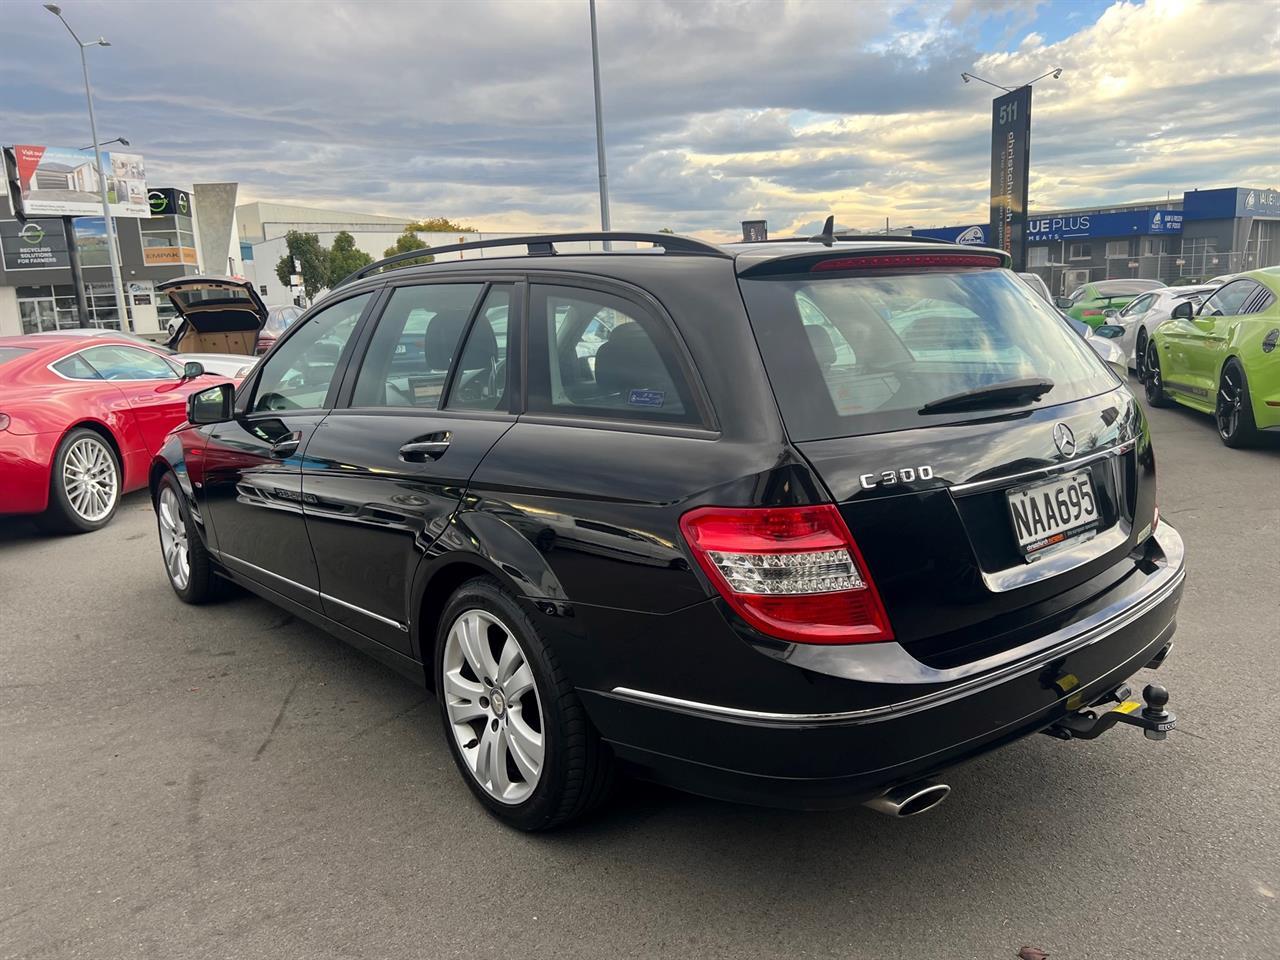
[1010, 162]
[755, 230]
[63, 182]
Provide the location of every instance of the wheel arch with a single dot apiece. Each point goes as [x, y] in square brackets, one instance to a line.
[102, 430]
[432, 590]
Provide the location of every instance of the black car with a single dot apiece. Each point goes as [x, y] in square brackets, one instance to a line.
[794, 523]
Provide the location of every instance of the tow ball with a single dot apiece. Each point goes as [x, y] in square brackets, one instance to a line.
[1153, 718]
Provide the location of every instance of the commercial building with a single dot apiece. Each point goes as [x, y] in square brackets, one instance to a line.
[36, 290]
[263, 227]
[1202, 234]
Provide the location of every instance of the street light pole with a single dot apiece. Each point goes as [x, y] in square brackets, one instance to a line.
[604, 173]
[121, 309]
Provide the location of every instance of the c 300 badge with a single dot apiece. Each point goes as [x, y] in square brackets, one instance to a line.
[888, 478]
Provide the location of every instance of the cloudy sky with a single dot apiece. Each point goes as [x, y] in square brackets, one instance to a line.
[716, 110]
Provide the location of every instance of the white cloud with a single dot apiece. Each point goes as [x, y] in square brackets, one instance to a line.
[716, 110]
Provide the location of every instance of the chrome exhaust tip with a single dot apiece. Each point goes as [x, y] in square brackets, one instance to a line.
[909, 799]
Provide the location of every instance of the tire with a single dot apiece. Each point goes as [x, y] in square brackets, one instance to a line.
[1233, 408]
[1140, 356]
[187, 564]
[494, 739]
[84, 484]
[1153, 386]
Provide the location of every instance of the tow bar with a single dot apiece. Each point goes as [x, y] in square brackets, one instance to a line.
[1153, 718]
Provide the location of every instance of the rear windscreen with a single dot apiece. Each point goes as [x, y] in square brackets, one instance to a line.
[863, 354]
[12, 353]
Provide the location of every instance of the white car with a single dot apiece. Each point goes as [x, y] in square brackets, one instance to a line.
[1143, 314]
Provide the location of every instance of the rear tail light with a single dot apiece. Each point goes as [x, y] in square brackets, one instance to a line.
[1090, 313]
[791, 572]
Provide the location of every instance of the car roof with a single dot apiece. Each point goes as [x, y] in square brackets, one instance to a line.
[542, 255]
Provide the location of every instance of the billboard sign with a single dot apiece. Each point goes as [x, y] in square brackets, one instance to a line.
[1010, 161]
[34, 245]
[168, 256]
[169, 202]
[1122, 224]
[974, 234]
[63, 182]
[755, 230]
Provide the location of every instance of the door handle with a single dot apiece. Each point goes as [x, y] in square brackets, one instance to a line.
[420, 451]
[286, 447]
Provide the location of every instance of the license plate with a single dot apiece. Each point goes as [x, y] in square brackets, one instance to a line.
[401, 348]
[1049, 513]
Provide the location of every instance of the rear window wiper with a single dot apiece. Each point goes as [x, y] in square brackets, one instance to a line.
[1004, 393]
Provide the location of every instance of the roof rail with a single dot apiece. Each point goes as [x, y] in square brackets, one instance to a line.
[543, 245]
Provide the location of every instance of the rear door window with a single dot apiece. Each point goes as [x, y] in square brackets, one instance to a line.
[594, 354]
[896, 343]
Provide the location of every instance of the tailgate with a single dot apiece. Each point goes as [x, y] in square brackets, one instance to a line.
[933, 512]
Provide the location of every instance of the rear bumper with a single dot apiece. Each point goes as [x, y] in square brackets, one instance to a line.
[24, 471]
[837, 758]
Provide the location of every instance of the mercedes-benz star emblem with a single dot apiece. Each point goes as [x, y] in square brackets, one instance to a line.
[1064, 439]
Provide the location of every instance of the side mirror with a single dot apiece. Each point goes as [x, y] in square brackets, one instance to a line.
[215, 405]
[1183, 311]
[192, 369]
[1111, 313]
[1109, 331]
[1063, 303]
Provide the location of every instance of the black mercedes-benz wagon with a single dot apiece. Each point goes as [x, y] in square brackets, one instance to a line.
[797, 523]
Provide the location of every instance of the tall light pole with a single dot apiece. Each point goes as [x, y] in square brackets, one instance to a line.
[604, 173]
[121, 309]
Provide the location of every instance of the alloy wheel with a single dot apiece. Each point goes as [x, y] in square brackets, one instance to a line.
[493, 705]
[1228, 406]
[1141, 360]
[173, 539]
[90, 479]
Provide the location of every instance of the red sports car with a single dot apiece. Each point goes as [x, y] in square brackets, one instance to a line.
[80, 421]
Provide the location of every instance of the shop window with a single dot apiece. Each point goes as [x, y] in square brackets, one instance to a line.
[1037, 256]
[1081, 251]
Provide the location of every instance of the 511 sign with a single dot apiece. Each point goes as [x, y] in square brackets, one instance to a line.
[1010, 156]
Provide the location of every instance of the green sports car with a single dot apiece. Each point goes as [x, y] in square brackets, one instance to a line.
[1090, 302]
[1222, 358]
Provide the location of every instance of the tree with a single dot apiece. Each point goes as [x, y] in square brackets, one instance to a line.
[666, 230]
[314, 259]
[345, 259]
[439, 225]
[405, 242]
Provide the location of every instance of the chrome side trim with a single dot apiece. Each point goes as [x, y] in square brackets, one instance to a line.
[978, 486]
[274, 576]
[1055, 649]
[403, 628]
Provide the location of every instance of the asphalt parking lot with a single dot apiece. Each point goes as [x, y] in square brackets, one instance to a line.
[231, 782]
